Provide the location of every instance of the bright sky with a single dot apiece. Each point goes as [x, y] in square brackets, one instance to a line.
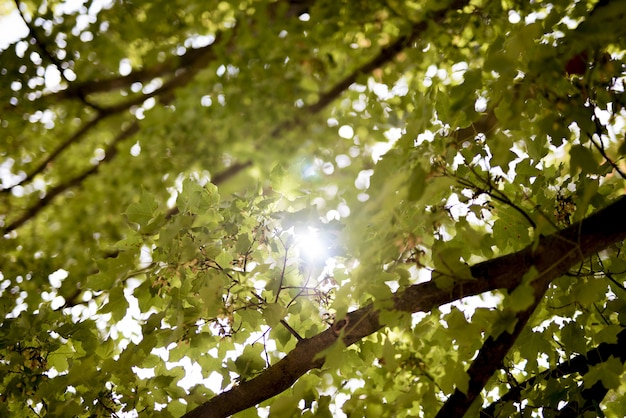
[13, 28]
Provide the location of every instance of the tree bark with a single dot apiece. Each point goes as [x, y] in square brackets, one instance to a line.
[552, 256]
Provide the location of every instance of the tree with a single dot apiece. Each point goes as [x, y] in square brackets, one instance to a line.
[167, 167]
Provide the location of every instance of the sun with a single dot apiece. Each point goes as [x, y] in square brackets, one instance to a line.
[311, 245]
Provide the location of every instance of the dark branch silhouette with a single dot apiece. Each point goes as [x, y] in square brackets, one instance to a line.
[45, 49]
[489, 359]
[579, 364]
[553, 256]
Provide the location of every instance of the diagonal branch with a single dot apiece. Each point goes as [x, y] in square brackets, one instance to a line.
[43, 46]
[600, 145]
[385, 55]
[568, 247]
[185, 68]
[490, 358]
[294, 8]
[197, 60]
[110, 153]
[579, 364]
[75, 137]
[180, 79]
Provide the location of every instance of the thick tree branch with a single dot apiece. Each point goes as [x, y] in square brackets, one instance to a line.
[489, 359]
[553, 256]
[579, 364]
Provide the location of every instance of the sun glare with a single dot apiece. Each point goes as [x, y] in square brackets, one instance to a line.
[311, 245]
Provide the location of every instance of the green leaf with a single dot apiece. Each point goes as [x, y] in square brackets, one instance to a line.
[573, 338]
[273, 313]
[224, 259]
[511, 228]
[59, 359]
[522, 297]
[418, 184]
[250, 361]
[117, 304]
[608, 372]
[447, 260]
[197, 199]
[589, 291]
[143, 211]
[505, 322]
[110, 271]
[177, 408]
[582, 159]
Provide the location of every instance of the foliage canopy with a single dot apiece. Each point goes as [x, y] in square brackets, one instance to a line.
[313, 208]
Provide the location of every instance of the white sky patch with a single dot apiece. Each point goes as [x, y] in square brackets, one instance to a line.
[379, 89]
[135, 150]
[7, 177]
[343, 160]
[199, 41]
[458, 70]
[52, 78]
[343, 209]
[333, 215]
[401, 88]
[125, 67]
[379, 149]
[360, 104]
[57, 278]
[427, 136]
[346, 132]
[480, 105]
[514, 17]
[362, 181]
[13, 28]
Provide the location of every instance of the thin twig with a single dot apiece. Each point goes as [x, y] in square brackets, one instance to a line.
[282, 273]
[291, 330]
[600, 146]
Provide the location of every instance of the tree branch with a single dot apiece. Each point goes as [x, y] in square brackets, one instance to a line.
[53, 59]
[181, 79]
[110, 153]
[489, 359]
[384, 56]
[190, 58]
[75, 137]
[186, 66]
[579, 364]
[553, 256]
